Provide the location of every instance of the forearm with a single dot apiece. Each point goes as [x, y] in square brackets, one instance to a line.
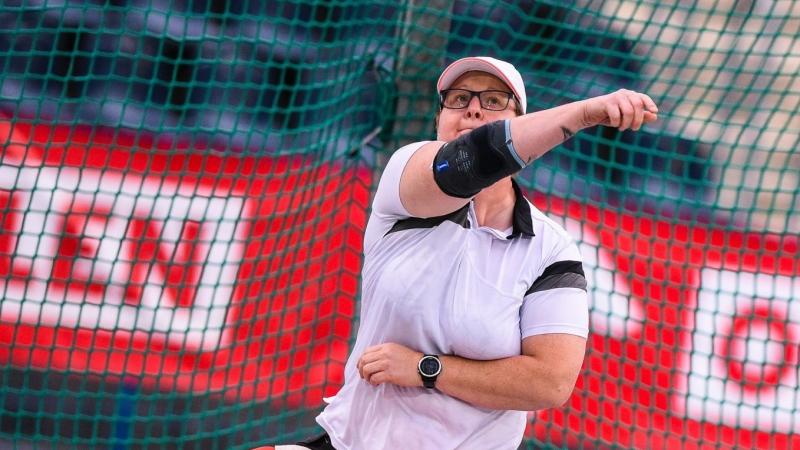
[537, 133]
[542, 377]
[521, 383]
[532, 136]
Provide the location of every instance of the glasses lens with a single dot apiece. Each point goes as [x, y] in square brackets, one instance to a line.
[456, 98]
[460, 98]
[494, 100]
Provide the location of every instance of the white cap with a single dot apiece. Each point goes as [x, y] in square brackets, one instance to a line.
[506, 72]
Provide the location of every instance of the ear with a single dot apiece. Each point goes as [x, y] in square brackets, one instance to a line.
[436, 123]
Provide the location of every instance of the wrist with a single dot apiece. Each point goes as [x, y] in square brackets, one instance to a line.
[582, 116]
[429, 368]
[417, 359]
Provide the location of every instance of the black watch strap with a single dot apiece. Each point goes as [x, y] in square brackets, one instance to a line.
[429, 368]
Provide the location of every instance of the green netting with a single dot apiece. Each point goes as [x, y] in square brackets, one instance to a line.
[184, 186]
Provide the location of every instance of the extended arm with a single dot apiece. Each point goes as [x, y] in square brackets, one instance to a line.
[533, 135]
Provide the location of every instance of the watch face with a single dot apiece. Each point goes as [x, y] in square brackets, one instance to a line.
[429, 366]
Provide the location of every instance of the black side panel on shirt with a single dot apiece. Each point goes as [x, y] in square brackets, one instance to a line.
[523, 226]
[563, 274]
[459, 216]
[322, 442]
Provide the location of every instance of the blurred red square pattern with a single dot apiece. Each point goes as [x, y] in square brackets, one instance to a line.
[188, 269]
[199, 271]
[694, 335]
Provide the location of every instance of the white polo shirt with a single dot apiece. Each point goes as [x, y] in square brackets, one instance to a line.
[448, 286]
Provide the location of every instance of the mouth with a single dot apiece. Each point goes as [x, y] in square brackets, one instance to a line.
[463, 132]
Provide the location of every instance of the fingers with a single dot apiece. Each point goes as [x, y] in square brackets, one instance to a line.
[370, 355]
[623, 109]
[627, 110]
[371, 364]
[375, 372]
[389, 363]
[649, 104]
[637, 104]
[373, 369]
[651, 110]
[631, 110]
[614, 115]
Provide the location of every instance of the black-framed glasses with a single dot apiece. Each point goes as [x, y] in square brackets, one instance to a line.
[460, 98]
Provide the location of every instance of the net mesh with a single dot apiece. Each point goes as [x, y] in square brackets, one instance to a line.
[184, 186]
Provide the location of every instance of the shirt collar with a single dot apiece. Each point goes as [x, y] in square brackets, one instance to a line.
[523, 225]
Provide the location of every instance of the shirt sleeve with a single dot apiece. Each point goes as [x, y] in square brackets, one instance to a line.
[386, 206]
[557, 301]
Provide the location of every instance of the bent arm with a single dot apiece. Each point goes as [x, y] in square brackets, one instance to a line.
[533, 135]
[543, 376]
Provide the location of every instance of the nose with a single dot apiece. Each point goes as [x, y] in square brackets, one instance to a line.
[473, 109]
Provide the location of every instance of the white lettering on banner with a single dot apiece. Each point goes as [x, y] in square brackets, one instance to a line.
[613, 312]
[113, 251]
[741, 368]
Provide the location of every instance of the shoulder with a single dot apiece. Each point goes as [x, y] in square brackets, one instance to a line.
[405, 152]
[387, 208]
[397, 162]
[390, 177]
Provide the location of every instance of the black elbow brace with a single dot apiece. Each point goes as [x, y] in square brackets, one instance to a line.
[476, 160]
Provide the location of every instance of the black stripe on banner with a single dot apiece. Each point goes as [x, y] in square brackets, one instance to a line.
[563, 274]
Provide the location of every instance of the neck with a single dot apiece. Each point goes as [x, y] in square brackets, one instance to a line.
[494, 206]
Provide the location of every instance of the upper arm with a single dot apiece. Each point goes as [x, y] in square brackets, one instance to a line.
[386, 206]
[407, 189]
[419, 192]
[554, 325]
[554, 319]
[562, 354]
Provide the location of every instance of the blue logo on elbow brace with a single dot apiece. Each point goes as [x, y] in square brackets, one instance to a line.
[441, 166]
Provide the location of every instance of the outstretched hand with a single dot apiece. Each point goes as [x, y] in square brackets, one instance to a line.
[390, 363]
[623, 109]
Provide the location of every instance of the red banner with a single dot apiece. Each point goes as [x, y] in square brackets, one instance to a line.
[197, 272]
[123, 256]
[694, 335]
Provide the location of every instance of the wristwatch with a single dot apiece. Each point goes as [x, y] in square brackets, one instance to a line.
[429, 367]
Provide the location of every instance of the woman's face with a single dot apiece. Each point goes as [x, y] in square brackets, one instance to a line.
[452, 123]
